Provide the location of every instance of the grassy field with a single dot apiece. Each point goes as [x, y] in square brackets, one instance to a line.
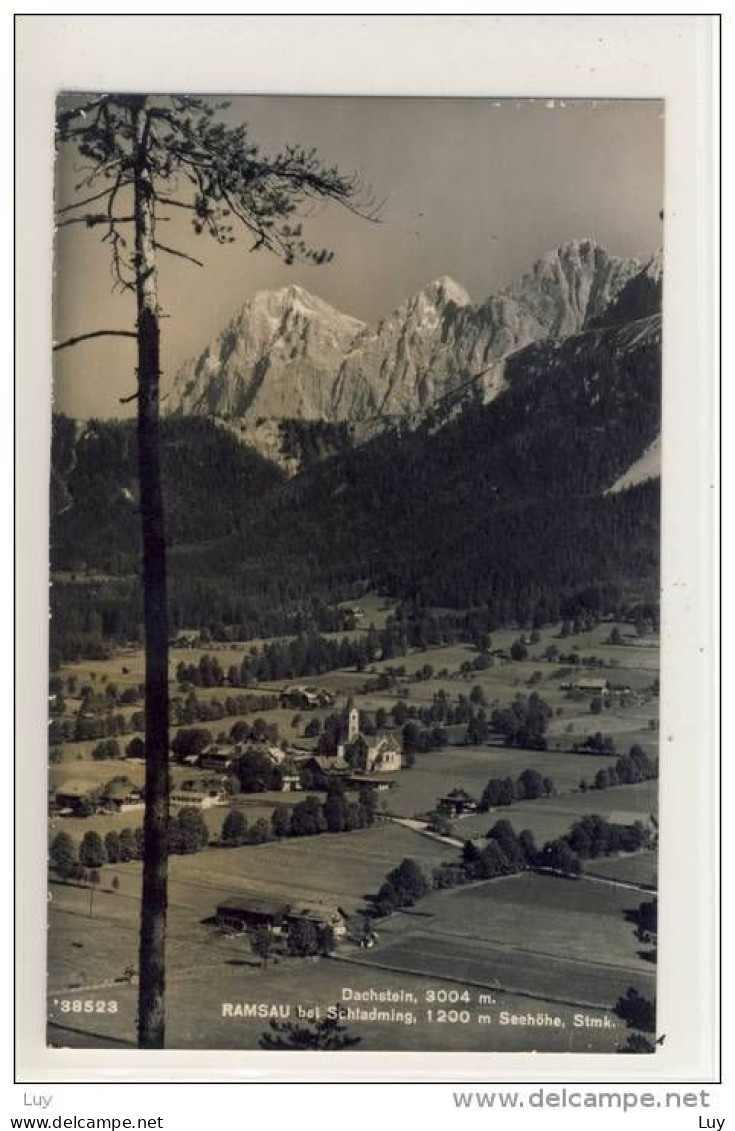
[78, 826]
[513, 969]
[196, 998]
[470, 767]
[535, 914]
[96, 773]
[542, 935]
[551, 817]
[635, 666]
[571, 961]
[281, 717]
[93, 950]
[343, 868]
[126, 667]
[641, 868]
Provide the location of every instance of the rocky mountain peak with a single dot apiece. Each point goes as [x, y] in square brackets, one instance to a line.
[445, 290]
[288, 354]
[571, 285]
[295, 301]
[426, 305]
[639, 297]
[275, 358]
[654, 269]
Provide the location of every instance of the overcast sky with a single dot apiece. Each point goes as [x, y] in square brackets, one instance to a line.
[473, 188]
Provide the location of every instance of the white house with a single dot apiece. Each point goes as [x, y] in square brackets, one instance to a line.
[198, 799]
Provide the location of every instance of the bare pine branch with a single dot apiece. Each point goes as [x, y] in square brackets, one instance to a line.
[94, 334]
[88, 200]
[178, 254]
[93, 220]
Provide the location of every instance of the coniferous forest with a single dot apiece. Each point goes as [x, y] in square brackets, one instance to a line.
[504, 508]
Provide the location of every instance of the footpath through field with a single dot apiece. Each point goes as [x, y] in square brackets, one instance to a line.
[590, 879]
[422, 828]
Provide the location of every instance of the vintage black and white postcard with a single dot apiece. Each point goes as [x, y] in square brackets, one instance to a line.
[355, 563]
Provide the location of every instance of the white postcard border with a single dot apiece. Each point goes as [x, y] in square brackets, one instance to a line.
[670, 57]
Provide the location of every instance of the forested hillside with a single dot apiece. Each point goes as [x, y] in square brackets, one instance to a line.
[207, 473]
[502, 508]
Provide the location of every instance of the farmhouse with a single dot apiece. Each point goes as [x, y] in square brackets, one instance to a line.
[320, 914]
[248, 911]
[188, 760]
[274, 753]
[588, 686]
[244, 912]
[223, 761]
[373, 782]
[77, 797]
[306, 698]
[184, 640]
[299, 751]
[456, 803]
[122, 796]
[322, 768]
[289, 778]
[628, 818]
[215, 786]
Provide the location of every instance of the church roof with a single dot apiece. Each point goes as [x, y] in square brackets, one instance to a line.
[330, 764]
[383, 741]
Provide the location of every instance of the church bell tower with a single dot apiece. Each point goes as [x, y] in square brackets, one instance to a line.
[352, 718]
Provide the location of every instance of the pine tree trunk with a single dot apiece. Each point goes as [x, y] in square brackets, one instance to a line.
[151, 999]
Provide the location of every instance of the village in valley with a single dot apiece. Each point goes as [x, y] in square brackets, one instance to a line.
[466, 828]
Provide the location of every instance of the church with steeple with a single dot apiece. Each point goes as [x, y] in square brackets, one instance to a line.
[351, 721]
[378, 754]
